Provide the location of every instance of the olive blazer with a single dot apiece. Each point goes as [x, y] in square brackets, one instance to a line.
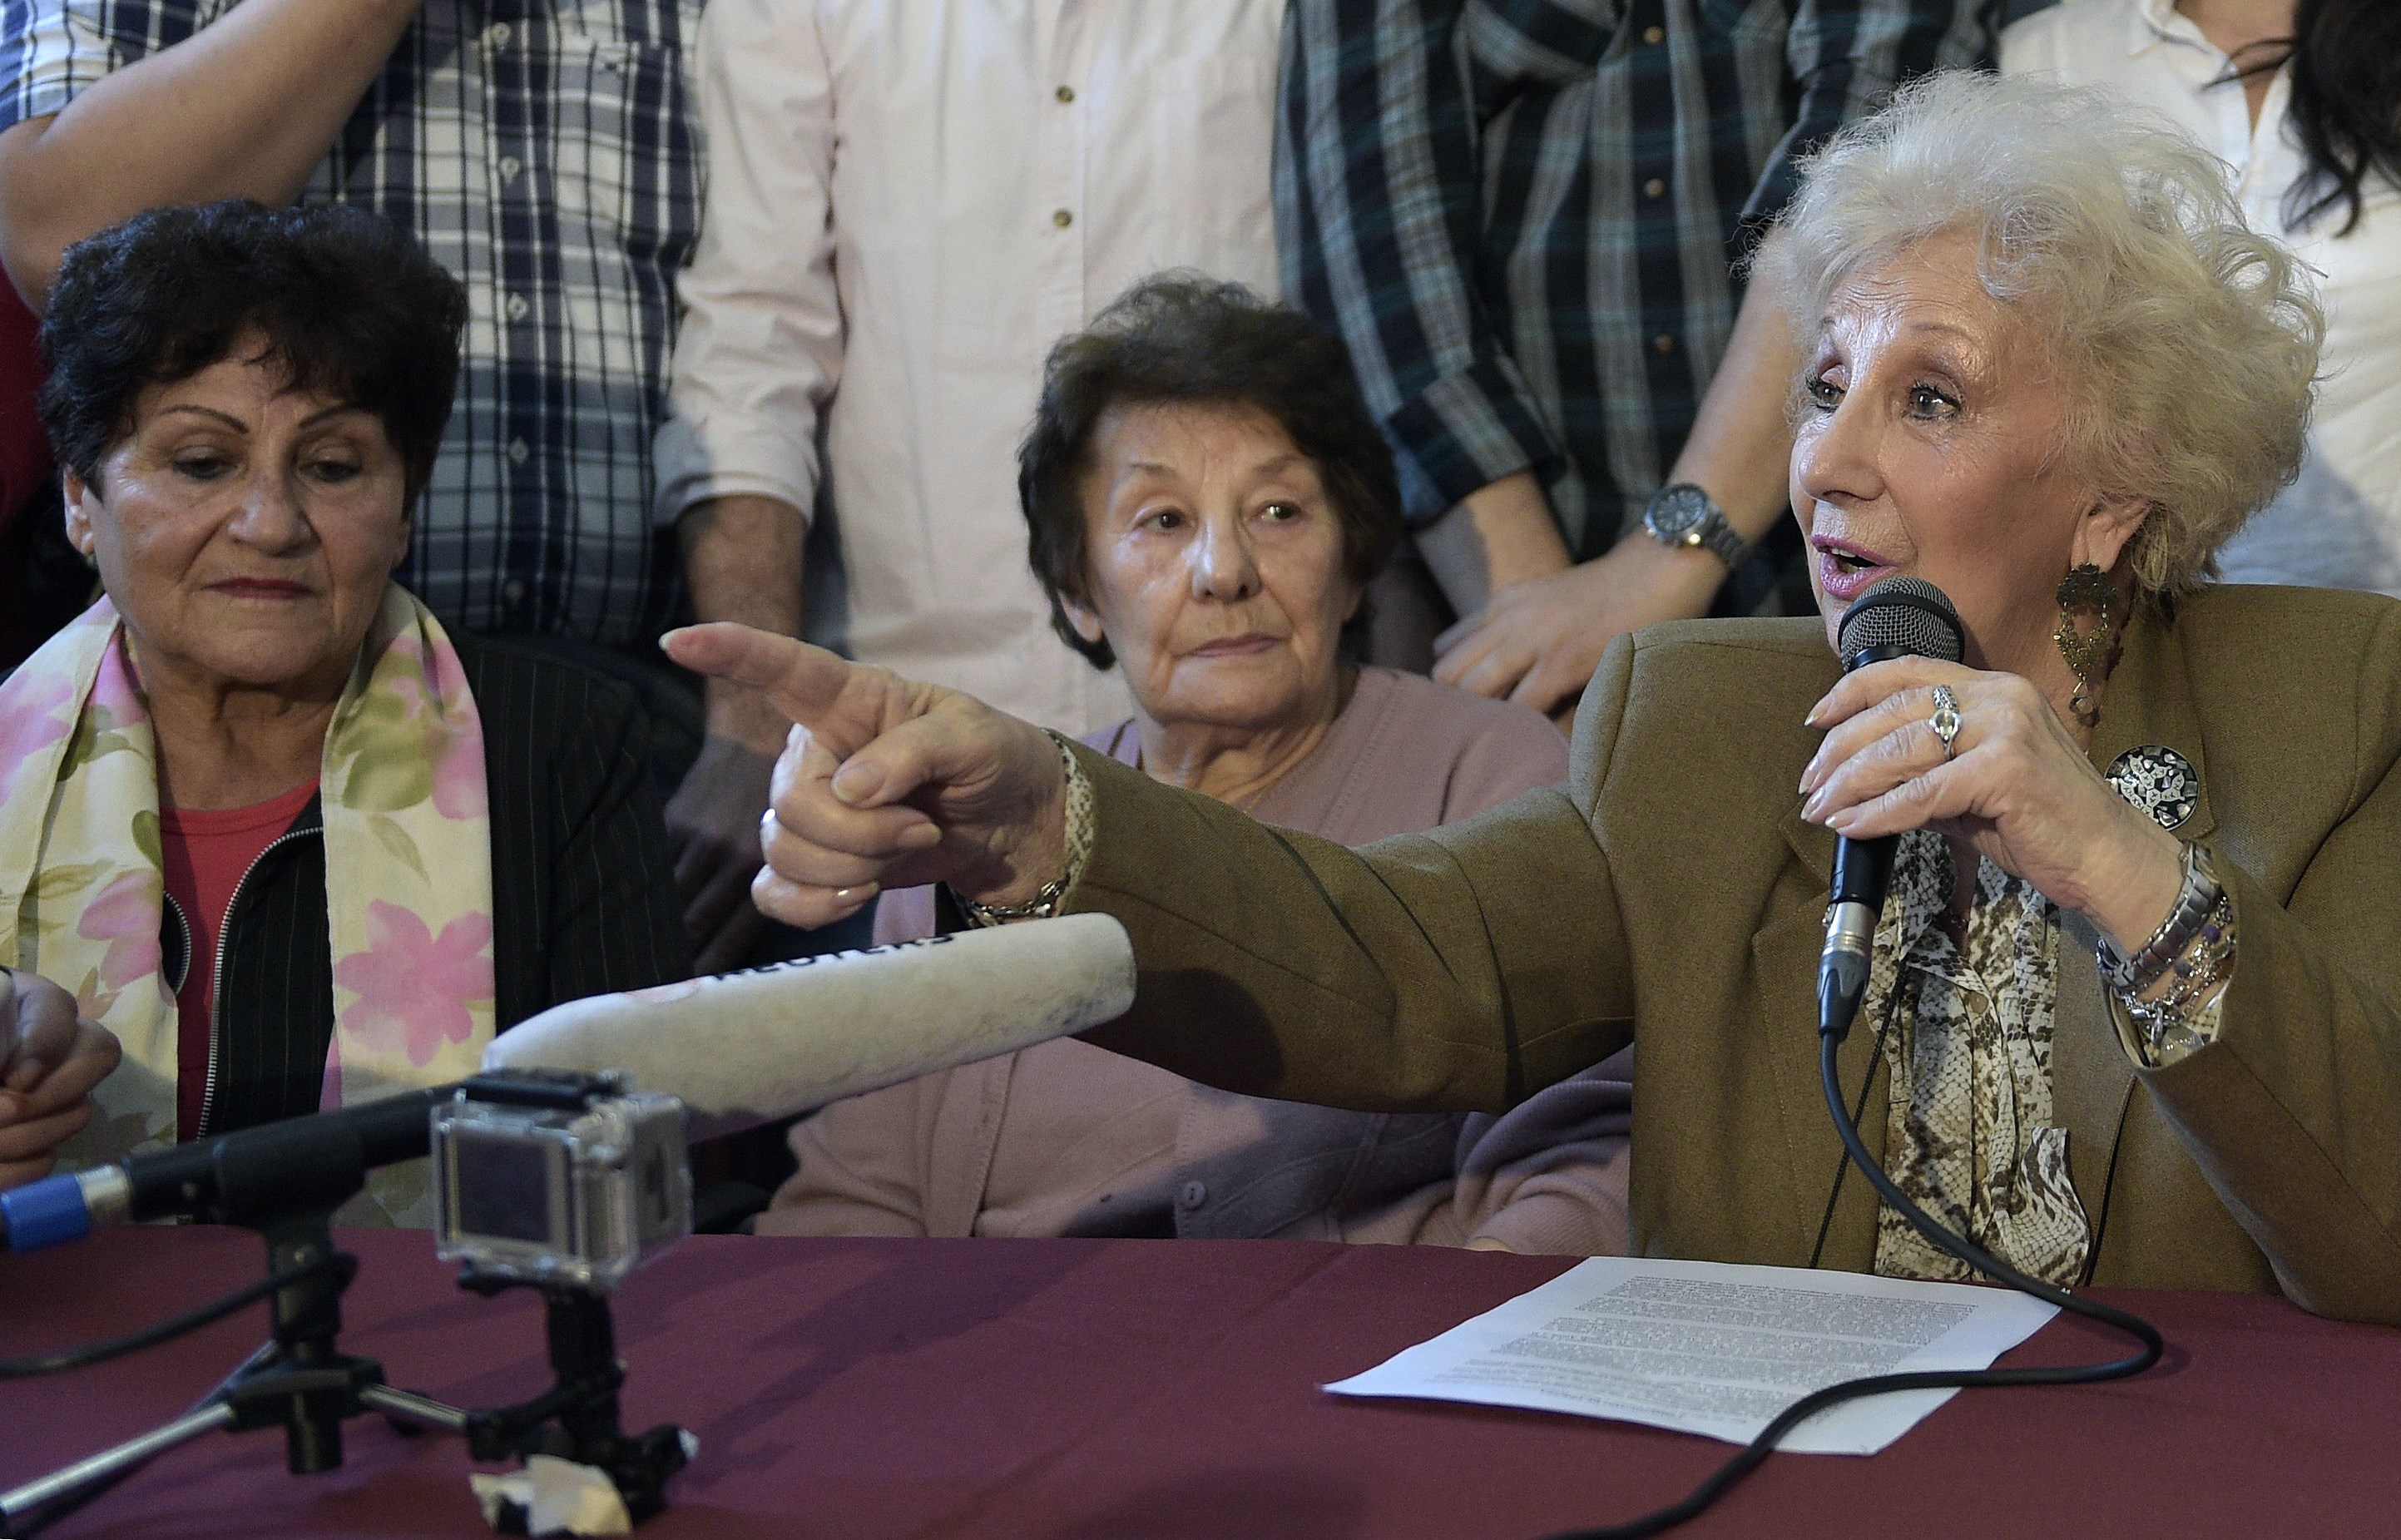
[1670, 893]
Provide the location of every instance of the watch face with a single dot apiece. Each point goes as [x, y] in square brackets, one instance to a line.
[1677, 513]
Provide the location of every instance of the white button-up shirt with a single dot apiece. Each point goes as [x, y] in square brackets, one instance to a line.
[2340, 523]
[909, 202]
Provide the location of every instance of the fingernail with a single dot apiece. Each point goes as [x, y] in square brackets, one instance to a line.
[1810, 809]
[854, 783]
[921, 836]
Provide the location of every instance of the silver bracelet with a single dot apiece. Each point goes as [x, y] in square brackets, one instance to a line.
[2196, 898]
[2170, 1025]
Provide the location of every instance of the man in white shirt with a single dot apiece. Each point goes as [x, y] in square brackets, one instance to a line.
[913, 199]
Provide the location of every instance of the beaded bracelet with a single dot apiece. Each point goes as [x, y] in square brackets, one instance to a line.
[2196, 896]
[1045, 902]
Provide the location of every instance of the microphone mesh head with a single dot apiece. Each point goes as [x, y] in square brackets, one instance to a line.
[1906, 614]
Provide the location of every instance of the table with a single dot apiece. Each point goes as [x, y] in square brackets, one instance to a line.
[1093, 1390]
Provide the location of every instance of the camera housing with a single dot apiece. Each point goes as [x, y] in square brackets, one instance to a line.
[556, 1179]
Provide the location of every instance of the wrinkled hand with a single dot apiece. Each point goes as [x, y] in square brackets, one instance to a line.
[50, 1061]
[713, 819]
[1538, 642]
[887, 783]
[2019, 790]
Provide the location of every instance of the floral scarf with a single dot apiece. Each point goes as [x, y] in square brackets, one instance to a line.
[409, 875]
[1971, 1136]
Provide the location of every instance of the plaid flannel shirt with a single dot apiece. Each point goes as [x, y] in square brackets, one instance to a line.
[1523, 215]
[547, 153]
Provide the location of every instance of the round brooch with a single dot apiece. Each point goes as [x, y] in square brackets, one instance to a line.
[2159, 780]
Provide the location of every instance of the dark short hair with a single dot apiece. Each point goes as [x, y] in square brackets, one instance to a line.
[1182, 339]
[350, 306]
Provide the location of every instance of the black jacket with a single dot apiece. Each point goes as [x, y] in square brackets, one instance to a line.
[584, 893]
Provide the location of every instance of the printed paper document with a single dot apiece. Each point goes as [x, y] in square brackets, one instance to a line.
[1703, 1347]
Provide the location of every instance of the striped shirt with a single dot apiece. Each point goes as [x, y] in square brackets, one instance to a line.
[547, 153]
[1522, 215]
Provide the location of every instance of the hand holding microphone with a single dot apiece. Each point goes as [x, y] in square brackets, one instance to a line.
[2012, 782]
[886, 783]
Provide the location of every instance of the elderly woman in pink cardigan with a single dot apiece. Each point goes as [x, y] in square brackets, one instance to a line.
[1208, 500]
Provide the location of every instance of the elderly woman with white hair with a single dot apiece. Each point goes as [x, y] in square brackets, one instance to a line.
[2133, 1009]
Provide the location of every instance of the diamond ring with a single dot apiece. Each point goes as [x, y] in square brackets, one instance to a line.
[1944, 722]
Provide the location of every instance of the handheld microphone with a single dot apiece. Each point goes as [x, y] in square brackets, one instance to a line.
[1899, 617]
[314, 1161]
[748, 1047]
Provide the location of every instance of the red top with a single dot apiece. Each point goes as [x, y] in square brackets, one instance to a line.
[204, 853]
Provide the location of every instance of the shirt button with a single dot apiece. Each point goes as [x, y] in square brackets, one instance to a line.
[513, 591]
[510, 166]
[1656, 187]
[520, 450]
[497, 35]
[1193, 1195]
[1653, 35]
[1662, 344]
[516, 307]
[1063, 219]
[1065, 94]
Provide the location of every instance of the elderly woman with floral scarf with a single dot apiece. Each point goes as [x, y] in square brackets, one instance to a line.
[263, 821]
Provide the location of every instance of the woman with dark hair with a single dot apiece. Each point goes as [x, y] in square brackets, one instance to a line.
[2303, 99]
[1207, 500]
[262, 820]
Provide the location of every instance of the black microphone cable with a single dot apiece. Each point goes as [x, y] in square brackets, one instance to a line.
[1753, 1454]
[89, 1354]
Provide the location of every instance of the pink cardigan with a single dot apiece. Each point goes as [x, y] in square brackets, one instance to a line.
[1068, 1139]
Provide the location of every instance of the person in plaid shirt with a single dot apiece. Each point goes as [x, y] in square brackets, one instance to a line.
[546, 152]
[1526, 218]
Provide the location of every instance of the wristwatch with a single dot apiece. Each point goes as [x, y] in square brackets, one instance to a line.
[1684, 514]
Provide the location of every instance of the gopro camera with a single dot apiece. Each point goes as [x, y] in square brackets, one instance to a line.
[553, 1178]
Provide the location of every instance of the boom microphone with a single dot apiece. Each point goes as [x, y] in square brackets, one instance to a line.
[748, 1047]
[1899, 617]
[739, 1050]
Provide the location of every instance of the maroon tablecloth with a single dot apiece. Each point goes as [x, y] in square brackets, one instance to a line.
[1071, 1390]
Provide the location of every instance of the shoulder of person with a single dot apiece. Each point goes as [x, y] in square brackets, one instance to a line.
[2236, 633]
[2052, 40]
[2268, 616]
[1487, 750]
[1739, 652]
[541, 677]
[1675, 696]
[549, 713]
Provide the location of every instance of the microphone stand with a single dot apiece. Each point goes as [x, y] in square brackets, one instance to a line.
[302, 1381]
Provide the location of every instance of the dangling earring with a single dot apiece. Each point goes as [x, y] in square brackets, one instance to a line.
[2087, 635]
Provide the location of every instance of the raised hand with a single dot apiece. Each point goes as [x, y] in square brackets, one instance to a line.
[886, 782]
[2016, 787]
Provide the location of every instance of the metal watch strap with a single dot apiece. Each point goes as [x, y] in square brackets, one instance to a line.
[1719, 536]
[1713, 532]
